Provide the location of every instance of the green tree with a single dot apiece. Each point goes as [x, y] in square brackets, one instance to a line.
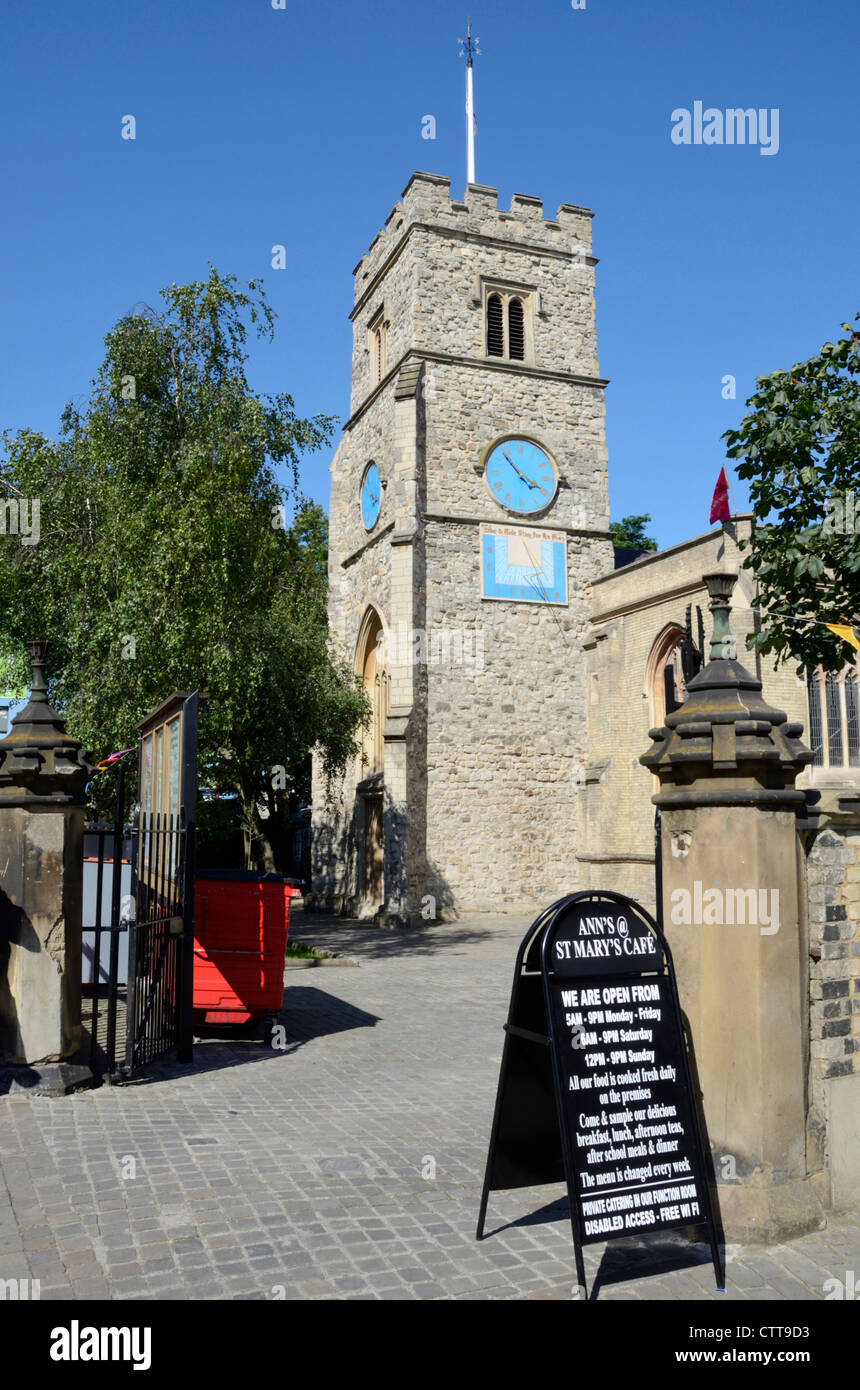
[800, 448]
[165, 560]
[630, 531]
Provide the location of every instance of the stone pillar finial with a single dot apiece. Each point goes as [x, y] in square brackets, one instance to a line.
[38, 685]
[40, 762]
[725, 744]
[727, 762]
[43, 775]
[720, 589]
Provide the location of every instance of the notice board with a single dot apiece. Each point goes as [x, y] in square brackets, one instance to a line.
[595, 1086]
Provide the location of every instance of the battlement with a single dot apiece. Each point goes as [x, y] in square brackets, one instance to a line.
[426, 199]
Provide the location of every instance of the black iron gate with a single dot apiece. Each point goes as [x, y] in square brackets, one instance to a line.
[148, 974]
[107, 861]
[692, 659]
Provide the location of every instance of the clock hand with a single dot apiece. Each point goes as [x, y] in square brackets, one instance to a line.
[507, 456]
[516, 470]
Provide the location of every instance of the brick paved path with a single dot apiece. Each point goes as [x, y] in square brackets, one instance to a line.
[308, 1170]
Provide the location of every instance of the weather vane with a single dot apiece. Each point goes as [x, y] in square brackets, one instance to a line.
[469, 49]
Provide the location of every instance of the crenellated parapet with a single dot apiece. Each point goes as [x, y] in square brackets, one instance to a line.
[426, 201]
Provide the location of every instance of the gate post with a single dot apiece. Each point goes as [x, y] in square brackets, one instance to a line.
[733, 916]
[43, 774]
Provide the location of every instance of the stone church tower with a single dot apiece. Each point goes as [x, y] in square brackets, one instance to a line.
[469, 511]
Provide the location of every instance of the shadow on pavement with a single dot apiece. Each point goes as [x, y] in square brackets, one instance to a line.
[306, 1013]
[634, 1257]
[363, 940]
[643, 1257]
[309, 1013]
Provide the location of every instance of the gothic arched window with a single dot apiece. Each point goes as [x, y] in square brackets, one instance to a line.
[495, 327]
[851, 719]
[376, 335]
[665, 684]
[516, 330]
[834, 725]
[509, 324]
[371, 665]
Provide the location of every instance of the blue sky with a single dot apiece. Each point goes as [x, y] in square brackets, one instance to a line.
[258, 126]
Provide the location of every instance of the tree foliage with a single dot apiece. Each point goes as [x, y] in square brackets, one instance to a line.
[165, 560]
[800, 448]
[630, 531]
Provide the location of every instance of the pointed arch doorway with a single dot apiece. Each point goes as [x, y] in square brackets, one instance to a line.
[371, 666]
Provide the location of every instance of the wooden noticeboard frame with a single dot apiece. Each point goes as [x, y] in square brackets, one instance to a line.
[168, 781]
[163, 879]
[595, 1085]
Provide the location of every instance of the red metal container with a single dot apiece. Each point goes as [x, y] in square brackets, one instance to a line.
[241, 923]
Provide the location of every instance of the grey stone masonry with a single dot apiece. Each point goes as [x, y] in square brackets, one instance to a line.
[425, 267]
[485, 732]
[833, 910]
[43, 769]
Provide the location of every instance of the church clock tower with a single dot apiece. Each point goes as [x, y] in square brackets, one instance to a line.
[469, 511]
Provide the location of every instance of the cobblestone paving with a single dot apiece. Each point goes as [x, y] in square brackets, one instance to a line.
[308, 1172]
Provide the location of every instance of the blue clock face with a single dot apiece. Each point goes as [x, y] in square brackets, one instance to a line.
[521, 476]
[371, 496]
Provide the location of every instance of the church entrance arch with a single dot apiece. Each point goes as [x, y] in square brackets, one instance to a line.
[370, 664]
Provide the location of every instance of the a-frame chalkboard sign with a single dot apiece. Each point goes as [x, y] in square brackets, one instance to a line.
[595, 1086]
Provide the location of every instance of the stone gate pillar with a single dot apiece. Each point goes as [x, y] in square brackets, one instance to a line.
[733, 915]
[43, 773]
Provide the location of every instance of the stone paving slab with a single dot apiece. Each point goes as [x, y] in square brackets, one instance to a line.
[346, 1165]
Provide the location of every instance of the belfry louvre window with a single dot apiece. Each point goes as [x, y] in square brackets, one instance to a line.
[376, 345]
[506, 325]
[516, 330]
[495, 327]
[834, 727]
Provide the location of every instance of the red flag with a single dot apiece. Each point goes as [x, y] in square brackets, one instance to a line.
[720, 500]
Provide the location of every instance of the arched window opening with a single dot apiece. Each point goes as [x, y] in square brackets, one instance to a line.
[509, 324]
[516, 330]
[665, 683]
[834, 717]
[851, 719]
[834, 720]
[495, 327]
[813, 691]
[370, 664]
[376, 344]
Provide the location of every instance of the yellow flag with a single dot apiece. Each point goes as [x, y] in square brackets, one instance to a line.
[848, 634]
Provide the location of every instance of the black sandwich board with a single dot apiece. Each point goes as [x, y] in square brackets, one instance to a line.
[595, 1088]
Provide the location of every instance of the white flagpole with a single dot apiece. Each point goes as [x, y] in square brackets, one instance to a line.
[469, 49]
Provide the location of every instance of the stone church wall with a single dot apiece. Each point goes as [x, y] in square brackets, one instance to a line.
[631, 608]
[505, 737]
[833, 910]
[486, 739]
[359, 567]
